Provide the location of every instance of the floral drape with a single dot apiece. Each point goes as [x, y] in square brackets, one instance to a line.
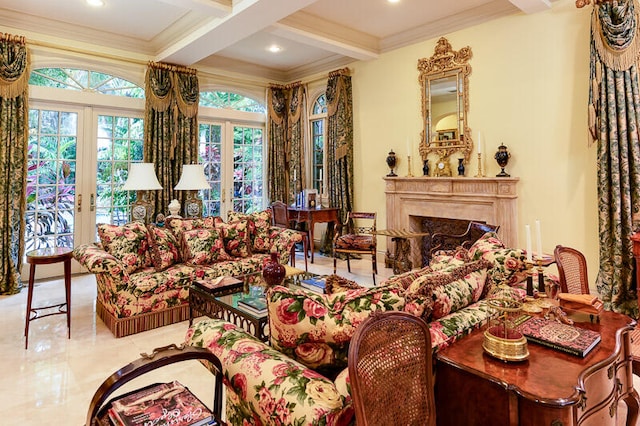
[285, 123]
[171, 127]
[14, 109]
[339, 142]
[614, 116]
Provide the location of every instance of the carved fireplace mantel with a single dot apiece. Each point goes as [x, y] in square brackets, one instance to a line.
[492, 200]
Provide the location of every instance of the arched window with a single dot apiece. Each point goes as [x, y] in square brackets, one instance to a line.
[318, 124]
[85, 80]
[230, 100]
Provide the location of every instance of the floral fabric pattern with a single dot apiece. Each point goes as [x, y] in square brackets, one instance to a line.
[315, 329]
[260, 228]
[355, 242]
[128, 243]
[508, 264]
[450, 328]
[292, 394]
[203, 247]
[236, 237]
[165, 248]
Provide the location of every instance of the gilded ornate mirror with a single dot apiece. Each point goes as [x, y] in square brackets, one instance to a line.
[444, 80]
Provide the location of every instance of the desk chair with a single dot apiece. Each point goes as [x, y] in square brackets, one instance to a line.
[572, 269]
[357, 236]
[281, 219]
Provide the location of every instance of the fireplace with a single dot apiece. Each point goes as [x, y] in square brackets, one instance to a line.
[412, 199]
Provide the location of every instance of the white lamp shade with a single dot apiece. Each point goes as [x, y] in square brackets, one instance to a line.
[192, 178]
[142, 177]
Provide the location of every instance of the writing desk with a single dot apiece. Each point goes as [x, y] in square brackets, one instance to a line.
[311, 217]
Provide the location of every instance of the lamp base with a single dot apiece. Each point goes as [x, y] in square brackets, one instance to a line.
[192, 205]
[141, 210]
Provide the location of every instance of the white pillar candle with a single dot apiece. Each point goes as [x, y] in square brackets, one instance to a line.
[538, 239]
[479, 143]
[408, 147]
[528, 233]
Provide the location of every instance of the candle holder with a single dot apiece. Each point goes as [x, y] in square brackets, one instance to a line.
[529, 266]
[541, 288]
[479, 166]
[409, 174]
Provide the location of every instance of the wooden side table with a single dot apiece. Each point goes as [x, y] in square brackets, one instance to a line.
[46, 256]
[401, 256]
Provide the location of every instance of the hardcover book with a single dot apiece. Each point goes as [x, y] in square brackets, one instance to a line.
[159, 405]
[563, 337]
[316, 284]
[256, 305]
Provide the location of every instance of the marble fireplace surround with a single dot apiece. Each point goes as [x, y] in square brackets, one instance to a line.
[492, 200]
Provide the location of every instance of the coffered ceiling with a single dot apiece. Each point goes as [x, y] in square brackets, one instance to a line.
[234, 36]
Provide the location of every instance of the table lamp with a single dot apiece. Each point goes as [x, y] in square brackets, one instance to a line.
[192, 180]
[142, 178]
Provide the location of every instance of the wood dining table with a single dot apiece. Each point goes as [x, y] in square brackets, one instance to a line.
[311, 216]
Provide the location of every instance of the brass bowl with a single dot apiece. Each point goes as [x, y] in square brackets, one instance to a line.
[512, 347]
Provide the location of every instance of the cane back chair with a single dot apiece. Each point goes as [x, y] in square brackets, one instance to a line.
[572, 269]
[390, 371]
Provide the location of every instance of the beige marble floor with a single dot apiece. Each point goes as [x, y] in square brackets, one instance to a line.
[53, 381]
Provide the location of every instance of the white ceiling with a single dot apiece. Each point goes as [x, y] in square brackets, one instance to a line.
[233, 35]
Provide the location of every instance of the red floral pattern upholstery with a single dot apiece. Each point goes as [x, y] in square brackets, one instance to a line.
[355, 242]
[165, 247]
[260, 228]
[236, 237]
[203, 247]
[127, 243]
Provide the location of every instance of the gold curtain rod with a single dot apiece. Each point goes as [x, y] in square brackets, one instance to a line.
[582, 3]
[172, 67]
[12, 38]
[342, 71]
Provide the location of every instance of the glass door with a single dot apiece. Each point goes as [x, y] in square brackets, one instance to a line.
[53, 176]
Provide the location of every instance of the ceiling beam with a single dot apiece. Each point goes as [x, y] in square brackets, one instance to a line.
[248, 17]
[215, 8]
[531, 6]
[313, 31]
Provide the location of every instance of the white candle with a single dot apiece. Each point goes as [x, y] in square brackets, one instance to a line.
[528, 233]
[538, 239]
[320, 175]
[294, 174]
[408, 147]
[479, 143]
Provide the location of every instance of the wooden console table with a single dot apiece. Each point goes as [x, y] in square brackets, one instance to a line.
[311, 217]
[550, 388]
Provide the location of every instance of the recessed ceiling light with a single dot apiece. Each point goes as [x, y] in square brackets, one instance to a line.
[95, 3]
[274, 48]
[393, 1]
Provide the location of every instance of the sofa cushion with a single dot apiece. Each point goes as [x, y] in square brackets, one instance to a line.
[336, 284]
[450, 328]
[236, 237]
[127, 243]
[203, 247]
[487, 243]
[165, 247]
[260, 228]
[446, 259]
[405, 279]
[436, 294]
[315, 329]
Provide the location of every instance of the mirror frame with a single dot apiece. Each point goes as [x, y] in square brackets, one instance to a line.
[445, 62]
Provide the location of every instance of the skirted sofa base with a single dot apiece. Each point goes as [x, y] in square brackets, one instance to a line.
[121, 327]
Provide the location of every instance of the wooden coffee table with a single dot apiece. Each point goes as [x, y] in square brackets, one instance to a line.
[550, 388]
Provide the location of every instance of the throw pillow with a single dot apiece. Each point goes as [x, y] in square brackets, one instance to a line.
[488, 242]
[127, 243]
[178, 225]
[259, 228]
[203, 247]
[405, 279]
[236, 237]
[336, 284]
[439, 293]
[165, 248]
[446, 259]
[509, 266]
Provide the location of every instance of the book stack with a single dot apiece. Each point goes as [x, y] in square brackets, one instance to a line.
[316, 284]
[159, 405]
[255, 305]
[563, 337]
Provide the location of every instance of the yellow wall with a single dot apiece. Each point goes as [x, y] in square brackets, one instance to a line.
[528, 90]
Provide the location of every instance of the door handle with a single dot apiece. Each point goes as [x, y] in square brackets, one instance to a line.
[79, 203]
[92, 202]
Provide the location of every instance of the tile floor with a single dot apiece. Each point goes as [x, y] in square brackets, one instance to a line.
[53, 381]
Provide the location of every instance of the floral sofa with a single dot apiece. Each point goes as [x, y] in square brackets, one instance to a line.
[143, 272]
[302, 378]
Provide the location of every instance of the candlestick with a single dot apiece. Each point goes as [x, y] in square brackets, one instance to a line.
[479, 166]
[541, 288]
[538, 239]
[479, 143]
[529, 267]
[408, 148]
[527, 229]
[409, 174]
